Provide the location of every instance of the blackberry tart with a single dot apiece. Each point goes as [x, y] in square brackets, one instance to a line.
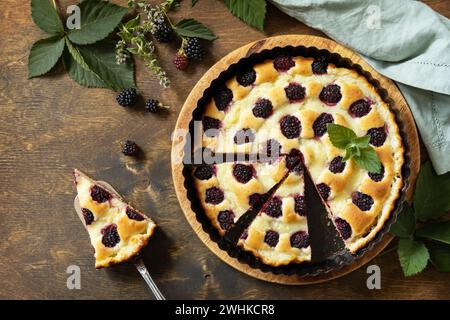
[290, 100]
[117, 230]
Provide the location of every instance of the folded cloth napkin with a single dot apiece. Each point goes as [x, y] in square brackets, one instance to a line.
[404, 40]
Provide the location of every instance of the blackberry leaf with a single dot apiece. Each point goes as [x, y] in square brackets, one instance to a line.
[46, 17]
[406, 222]
[413, 256]
[44, 55]
[437, 231]
[252, 12]
[440, 256]
[193, 29]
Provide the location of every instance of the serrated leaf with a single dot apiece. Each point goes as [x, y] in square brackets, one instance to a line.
[439, 231]
[413, 256]
[368, 159]
[252, 12]
[98, 19]
[193, 29]
[81, 75]
[406, 222]
[432, 194]
[340, 136]
[46, 17]
[361, 142]
[76, 55]
[101, 59]
[440, 256]
[44, 55]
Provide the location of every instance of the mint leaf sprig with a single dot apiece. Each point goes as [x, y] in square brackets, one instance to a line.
[85, 53]
[356, 148]
[424, 228]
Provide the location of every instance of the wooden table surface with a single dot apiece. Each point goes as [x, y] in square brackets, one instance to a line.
[50, 125]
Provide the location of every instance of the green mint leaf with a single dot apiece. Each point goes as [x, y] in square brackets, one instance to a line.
[194, 2]
[101, 59]
[439, 231]
[340, 136]
[361, 142]
[194, 29]
[46, 17]
[252, 12]
[406, 222]
[368, 159]
[431, 197]
[44, 55]
[81, 75]
[98, 19]
[440, 256]
[413, 256]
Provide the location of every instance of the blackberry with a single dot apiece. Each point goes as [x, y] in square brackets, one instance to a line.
[320, 124]
[88, 216]
[246, 78]
[214, 195]
[130, 148]
[359, 108]
[242, 172]
[152, 105]
[273, 207]
[319, 65]
[127, 97]
[299, 240]
[226, 219]
[204, 172]
[294, 161]
[263, 108]
[344, 228]
[324, 191]
[210, 126]
[295, 92]
[133, 214]
[256, 199]
[290, 127]
[180, 61]
[223, 98]
[337, 165]
[377, 136]
[300, 205]
[99, 194]
[110, 236]
[283, 63]
[362, 201]
[331, 94]
[271, 238]
[193, 49]
[245, 135]
[162, 32]
[377, 177]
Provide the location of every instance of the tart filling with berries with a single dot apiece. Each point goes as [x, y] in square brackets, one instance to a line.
[288, 101]
[279, 233]
[117, 230]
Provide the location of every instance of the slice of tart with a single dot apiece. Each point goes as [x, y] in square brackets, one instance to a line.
[117, 230]
[228, 190]
[279, 233]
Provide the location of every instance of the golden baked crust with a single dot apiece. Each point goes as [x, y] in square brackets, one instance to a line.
[133, 227]
[317, 150]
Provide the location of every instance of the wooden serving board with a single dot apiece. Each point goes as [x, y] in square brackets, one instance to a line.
[245, 51]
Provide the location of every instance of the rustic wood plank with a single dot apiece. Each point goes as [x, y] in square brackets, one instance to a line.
[50, 125]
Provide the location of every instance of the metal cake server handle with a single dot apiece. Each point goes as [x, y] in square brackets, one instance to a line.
[138, 262]
[140, 266]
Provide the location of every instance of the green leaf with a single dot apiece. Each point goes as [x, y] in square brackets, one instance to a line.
[437, 231]
[406, 222]
[81, 75]
[194, 29]
[361, 142]
[340, 136]
[76, 55]
[44, 55]
[46, 17]
[101, 59]
[252, 12]
[368, 159]
[431, 198]
[98, 19]
[413, 256]
[440, 256]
